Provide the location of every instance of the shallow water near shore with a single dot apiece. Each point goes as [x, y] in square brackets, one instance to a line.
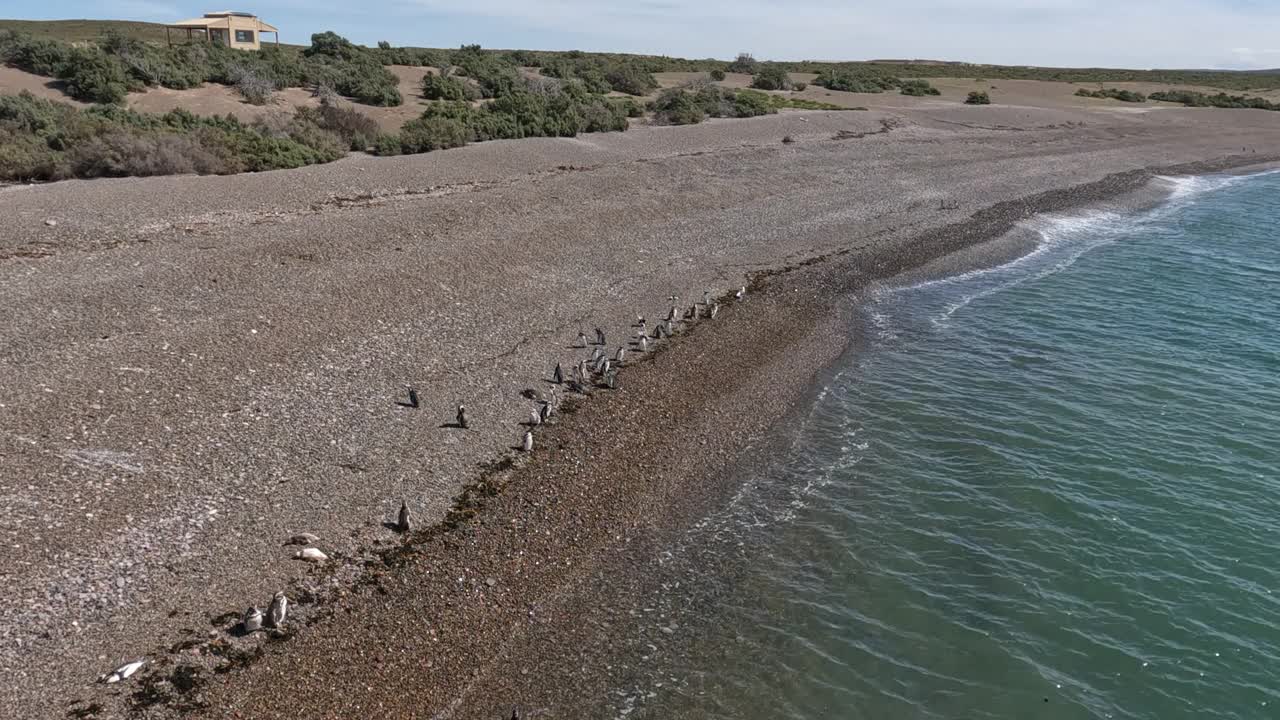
[1046, 490]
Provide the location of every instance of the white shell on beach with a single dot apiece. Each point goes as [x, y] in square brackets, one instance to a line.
[303, 539]
[311, 555]
[123, 672]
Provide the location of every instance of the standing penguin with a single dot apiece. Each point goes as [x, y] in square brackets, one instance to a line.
[527, 443]
[535, 417]
[715, 308]
[403, 521]
[252, 621]
[462, 417]
[741, 293]
[599, 336]
[622, 352]
[544, 412]
[557, 377]
[278, 610]
[582, 339]
[644, 344]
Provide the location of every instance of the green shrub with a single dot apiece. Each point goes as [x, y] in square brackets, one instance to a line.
[718, 75]
[387, 144]
[771, 77]
[1219, 100]
[691, 104]
[440, 87]
[630, 79]
[744, 64]
[45, 140]
[1113, 94]
[848, 81]
[978, 98]
[425, 134]
[92, 76]
[918, 88]
[356, 130]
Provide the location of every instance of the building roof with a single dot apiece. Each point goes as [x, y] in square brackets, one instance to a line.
[220, 19]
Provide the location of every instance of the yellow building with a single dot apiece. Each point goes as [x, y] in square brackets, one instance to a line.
[239, 30]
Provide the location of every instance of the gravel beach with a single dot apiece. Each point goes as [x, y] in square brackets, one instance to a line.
[196, 369]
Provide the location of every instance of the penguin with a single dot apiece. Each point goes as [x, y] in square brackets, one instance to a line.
[413, 398]
[600, 365]
[527, 443]
[535, 417]
[582, 339]
[544, 412]
[404, 521]
[596, 354]
[618, 356]
[673, 314]
[715, 308]
[611, 380]
[462, 417]
[123, 672]
[252, 621]
[693, 312]
[644, 345]
[606, 367]
[278, 610]
[739, 295]
[657, 331]
[706, 297]
[557, 377]
[599, 336]
[639, 321]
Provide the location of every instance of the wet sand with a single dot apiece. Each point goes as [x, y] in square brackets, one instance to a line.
[197, 368]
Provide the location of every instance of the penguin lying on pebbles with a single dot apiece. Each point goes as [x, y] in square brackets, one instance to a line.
[123, 672]
[311, 555]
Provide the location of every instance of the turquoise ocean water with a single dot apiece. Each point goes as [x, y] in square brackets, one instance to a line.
[1045, 490]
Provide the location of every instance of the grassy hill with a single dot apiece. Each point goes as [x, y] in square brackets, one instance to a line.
[81, 30]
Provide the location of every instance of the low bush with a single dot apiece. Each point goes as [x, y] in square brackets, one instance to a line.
[1113, 94]
[356, 130]
[744, 64]
[46, 140]
[771, 77]
[561, 110]
[717, 75]
[978, 98]
[799, 87]
[847, 81]
[442, 87]
[692, 103]
[1219, 100]
[918, 88]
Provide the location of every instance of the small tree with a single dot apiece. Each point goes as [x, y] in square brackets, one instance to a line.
[978, 98]
[717, 75]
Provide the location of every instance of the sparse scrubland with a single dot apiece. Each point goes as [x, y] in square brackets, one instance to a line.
[474, 95]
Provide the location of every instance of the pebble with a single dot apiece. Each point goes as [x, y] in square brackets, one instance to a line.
[51, 223]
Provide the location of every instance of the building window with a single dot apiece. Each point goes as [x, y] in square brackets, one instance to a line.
[244, 36]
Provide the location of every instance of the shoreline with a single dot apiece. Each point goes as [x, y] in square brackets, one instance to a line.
[469, 541]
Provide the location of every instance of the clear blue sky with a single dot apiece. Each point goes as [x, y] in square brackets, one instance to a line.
[1128, 33]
